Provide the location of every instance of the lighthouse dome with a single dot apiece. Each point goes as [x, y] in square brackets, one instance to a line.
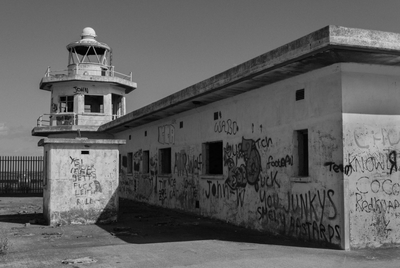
[88, 32]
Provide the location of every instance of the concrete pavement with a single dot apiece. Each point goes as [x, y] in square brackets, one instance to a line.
[148, 236]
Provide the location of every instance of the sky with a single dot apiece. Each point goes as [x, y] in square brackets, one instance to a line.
[168, 45]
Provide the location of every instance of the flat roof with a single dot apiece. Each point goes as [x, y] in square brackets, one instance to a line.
[329, 45]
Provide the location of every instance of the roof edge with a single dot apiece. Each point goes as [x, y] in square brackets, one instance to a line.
[331, 36]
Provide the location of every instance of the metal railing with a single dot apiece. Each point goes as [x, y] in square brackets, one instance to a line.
[67, 119]
[102, 71]
[21, 174]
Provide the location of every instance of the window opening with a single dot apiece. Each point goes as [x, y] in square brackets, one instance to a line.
[213, 152]
[302, 147]
[94, 104]
[116, 103]
[165, 160]
[146, 158]
[300, 94]
[129, 167]
[66, 104]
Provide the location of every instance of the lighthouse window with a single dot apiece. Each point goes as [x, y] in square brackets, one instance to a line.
[94, 104]
[67, 104]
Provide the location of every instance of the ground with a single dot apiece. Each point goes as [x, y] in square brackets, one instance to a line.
[149, 236]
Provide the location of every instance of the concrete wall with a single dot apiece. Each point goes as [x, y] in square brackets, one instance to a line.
[260, 187]
[371, 128]
[79, 90]
[82, 182]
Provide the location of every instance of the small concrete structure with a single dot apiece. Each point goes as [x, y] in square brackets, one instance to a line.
[81, 180]
[81, 164]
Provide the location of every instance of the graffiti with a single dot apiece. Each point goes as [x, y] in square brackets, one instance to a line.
[228, 127]
[137, 158]
[375, 205]
[162, 195]
[84, 181]
[393, 161]
[311, 230]
[190, 188]
[339, 168]
[269, 180]
[377, 185]
[282, 162]
[263, 143]
[54, 107]
[153, 170]
[309, 206]
[166, 134]
[186, 165]
[381, 136]
[244, 163]
[301, 214]
[222, 190]
[253, 160]
[380, 162]
[81, 90]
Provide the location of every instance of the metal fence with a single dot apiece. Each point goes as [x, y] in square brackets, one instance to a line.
[21, 174]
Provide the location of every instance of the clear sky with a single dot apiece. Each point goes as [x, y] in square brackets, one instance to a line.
[167, 44]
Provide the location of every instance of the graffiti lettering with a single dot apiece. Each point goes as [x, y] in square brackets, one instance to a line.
[222, 190]
[85, 183]
[186, 165]
[339, 168]
[375, 205]
[364, 185]
[381, 162]
[283, 162]
[229, 127]
[166, 134]
[81, 90]
[382, 135]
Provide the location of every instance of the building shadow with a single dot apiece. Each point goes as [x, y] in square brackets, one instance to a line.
[141, 223]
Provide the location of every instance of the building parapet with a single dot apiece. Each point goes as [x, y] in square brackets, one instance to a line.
[329, 45]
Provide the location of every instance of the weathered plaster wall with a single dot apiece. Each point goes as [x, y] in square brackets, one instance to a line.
[259, 187]
[81, 184]
[79, 90]
[371, 128]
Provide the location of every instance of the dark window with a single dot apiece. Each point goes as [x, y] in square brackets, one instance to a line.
[181, 124]
[216, 116]
[94, 104]
[67, 104]
[300, 94]
[213, 158]
[146, 160]
[130, 159]
[302, 147]
[84, 152]
[165, 161]
[119, 163]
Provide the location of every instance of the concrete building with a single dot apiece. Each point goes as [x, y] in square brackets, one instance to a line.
[302, 141]
[81, 164]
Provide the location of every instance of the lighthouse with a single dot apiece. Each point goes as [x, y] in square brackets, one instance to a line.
[86, 95]
[81, 163]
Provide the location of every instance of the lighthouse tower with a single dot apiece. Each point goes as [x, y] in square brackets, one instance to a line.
[80, 163]
[86, 95]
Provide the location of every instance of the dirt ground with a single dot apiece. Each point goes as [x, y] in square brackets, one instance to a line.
[149, 236]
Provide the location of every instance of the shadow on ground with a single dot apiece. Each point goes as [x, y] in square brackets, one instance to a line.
[141, 223]
[144, 223]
